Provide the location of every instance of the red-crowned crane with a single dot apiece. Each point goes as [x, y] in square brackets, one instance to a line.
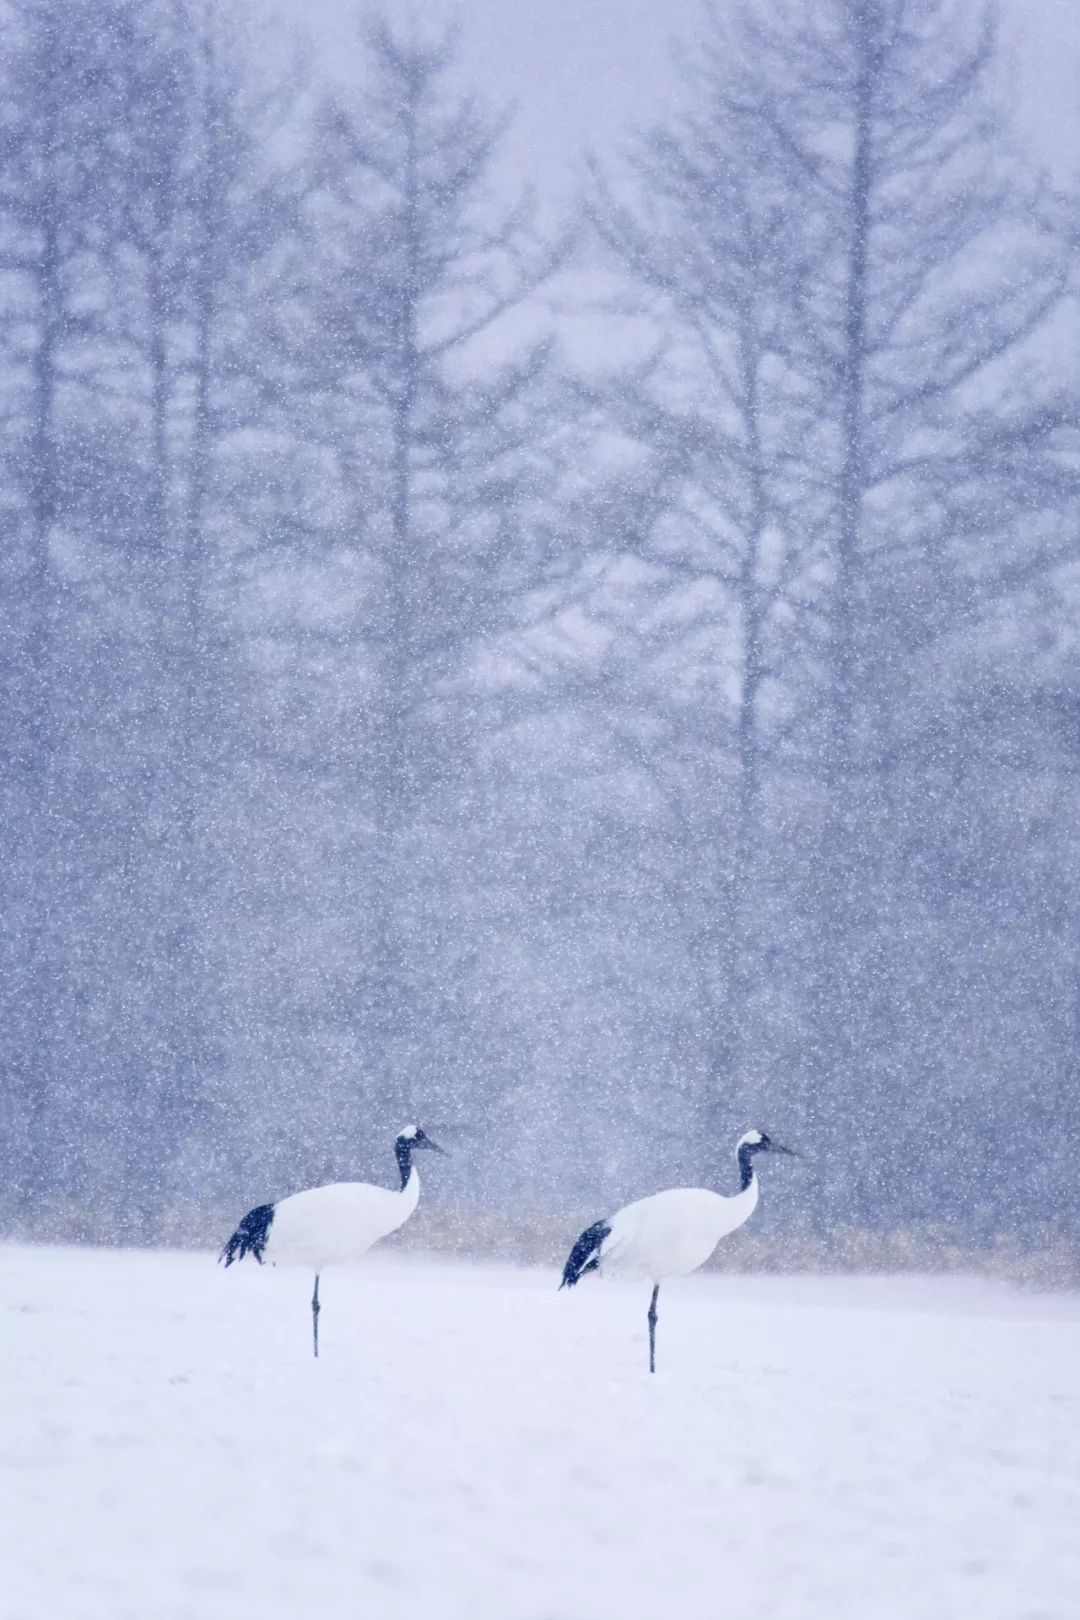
[671, 1233]
[329, 1225]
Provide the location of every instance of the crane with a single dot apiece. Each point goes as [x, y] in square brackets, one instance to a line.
[330, 1225]
[671, 1233]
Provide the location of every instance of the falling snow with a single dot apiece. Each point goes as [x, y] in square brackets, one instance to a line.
[561, 624]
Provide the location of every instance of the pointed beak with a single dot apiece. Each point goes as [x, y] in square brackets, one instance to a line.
[778, 1147]
[434, 1146]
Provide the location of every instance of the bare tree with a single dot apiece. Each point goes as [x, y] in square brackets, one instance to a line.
[926, 279]
[844, 261]
[719, 517]
[203, 207]
[392, 344]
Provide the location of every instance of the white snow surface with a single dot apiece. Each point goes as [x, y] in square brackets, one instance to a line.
[474, 1446]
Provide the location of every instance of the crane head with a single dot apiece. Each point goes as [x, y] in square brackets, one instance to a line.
[761, 1142]
[416, 1138]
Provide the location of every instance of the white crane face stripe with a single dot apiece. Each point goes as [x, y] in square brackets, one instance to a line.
[408, 1134]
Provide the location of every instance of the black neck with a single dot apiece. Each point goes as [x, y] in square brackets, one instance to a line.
[746, 1165]
[403, 1155]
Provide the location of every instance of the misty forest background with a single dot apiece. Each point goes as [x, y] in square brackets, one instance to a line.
[591, 683]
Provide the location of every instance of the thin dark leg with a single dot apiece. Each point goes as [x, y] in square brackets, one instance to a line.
[652, 1329]
[315, 1314]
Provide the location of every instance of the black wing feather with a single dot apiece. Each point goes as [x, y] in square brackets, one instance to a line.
[250, 1236]
[585, 1255]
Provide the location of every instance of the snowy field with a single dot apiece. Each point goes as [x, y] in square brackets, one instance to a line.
[473, 1446]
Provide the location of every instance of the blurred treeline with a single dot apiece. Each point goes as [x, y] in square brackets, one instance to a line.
[592, 684]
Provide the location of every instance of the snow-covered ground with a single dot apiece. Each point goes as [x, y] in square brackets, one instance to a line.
[473, 1446]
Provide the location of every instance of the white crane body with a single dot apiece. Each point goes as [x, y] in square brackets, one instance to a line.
[672, 1233]
[332, 1225]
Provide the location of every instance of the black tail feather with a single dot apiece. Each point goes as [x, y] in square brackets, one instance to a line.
[585, 1255]
[250, 1236]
